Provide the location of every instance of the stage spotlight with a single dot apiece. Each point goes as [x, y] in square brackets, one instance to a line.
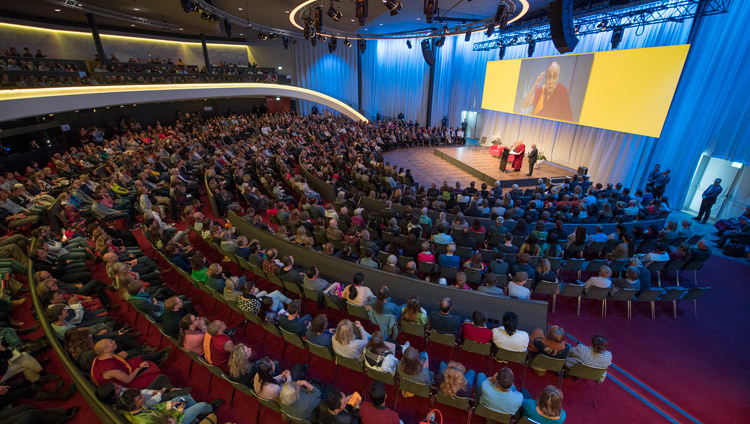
[513, 40]
[362, 46]
[393, 5]
[529, 38]
[347, 43]
[228, 28]
[262, 36]
[334, 14]
[616, 37]
[408, 43]
[577, 29]
[285, 42]
[322, 38]
[490, 30]
[601, 26]
[306, 31]
[440, 41]
[187, 5]
[501, 52]
[501, 17]
[271, 36]
[313, 40]
[532, 47]
[318, 18]
[467, 38]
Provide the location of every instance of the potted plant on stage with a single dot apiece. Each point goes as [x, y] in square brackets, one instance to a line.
[540, 159]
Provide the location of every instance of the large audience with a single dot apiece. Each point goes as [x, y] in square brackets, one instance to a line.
[151, 180]
[29, 70]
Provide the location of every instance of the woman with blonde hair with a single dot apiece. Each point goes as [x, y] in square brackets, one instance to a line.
[547, 408]
[240, 365]
[454, 380]
[350, 339]
[544, 272]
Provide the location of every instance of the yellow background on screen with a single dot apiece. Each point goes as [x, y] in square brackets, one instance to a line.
[628, 90]
[631, 90]
[500, 85]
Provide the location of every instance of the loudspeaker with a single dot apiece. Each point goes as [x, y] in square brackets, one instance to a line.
[228, 29]
[583, 170]
[428, 53]
[187, 5]
[561, 25]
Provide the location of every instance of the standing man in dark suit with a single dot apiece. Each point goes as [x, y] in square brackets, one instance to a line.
[532, 159]
[709, 198]
[652, 177]
[660, 183]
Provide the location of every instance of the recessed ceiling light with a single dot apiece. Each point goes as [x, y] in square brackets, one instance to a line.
[419, 19]
[286, 11]
[239, 8]
[381, 24]
[180, 29]
[132, 24]
[57, 10]
[352, 20]
[242, 34]
[365, 29]
[136, 9]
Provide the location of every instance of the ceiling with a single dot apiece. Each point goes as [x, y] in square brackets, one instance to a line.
[272, 13]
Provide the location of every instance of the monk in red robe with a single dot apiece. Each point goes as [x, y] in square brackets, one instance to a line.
[551, 100]
[518, 152]
[131, 372]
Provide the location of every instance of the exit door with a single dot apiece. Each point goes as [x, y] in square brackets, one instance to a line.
[708, 170]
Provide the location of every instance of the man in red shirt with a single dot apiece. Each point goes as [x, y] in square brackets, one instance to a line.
[217, 346]
[477, 330]
[375, 411]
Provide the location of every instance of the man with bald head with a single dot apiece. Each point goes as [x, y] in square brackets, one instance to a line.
[551, 99]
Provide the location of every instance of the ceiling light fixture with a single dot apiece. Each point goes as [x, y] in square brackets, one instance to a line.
[347, 43]
[334, 13]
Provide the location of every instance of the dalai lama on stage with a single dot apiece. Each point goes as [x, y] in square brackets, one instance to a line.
[518, 152]
[551, 100]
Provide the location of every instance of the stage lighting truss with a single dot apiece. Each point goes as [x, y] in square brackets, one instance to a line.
[100, 11]
[588, 23]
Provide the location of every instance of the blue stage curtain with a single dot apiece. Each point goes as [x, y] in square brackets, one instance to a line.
[394, 80]
[709, 114]
[334, 74]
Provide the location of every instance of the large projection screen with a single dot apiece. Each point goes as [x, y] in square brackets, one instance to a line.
[624, 90]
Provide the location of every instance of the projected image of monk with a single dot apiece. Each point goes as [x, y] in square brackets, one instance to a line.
[553, 88]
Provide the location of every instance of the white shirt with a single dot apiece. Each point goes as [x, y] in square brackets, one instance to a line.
[602, 282]
[518, 342]
[518, 291]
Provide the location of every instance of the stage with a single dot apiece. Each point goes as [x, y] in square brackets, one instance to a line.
[478, 162]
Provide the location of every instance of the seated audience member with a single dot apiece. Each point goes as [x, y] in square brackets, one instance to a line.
[507, 248]
[192, 333]
[425, 255]
[516, 288]
[701, 251]
[498, 392]
[658, 255]
[489, 286]
[547, 409]
[319, 333]
[411, 270]
[551, 248]
[596, 355]
[292, 321]
[476, 329]
[297, 401]
[350, 339]
[631, 280]
[603, 280]
[454, 380]
[498, 266]
[385, 313]
[475, 263]
[450, 259]
[551, 344]
[174, 310]
[414, 366]
[267, 382]
[231, 292]
[442, 320]
[138, 409]
[217, 346]
[374, 411]
[508, 336]
[336, 409]
[391, 265]
[378, 356]
[461, 281]
[356, 293]
[523, 266]
[544, 272]
[413, 311]
[240, 367]
[131, 372]
[368, 259]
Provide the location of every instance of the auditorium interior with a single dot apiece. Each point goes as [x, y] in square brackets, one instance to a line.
[374, 211]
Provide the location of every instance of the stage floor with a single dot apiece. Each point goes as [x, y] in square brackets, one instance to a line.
[480, 159]
[427, 168]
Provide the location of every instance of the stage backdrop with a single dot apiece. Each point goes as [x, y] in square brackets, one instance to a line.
[334, 74]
